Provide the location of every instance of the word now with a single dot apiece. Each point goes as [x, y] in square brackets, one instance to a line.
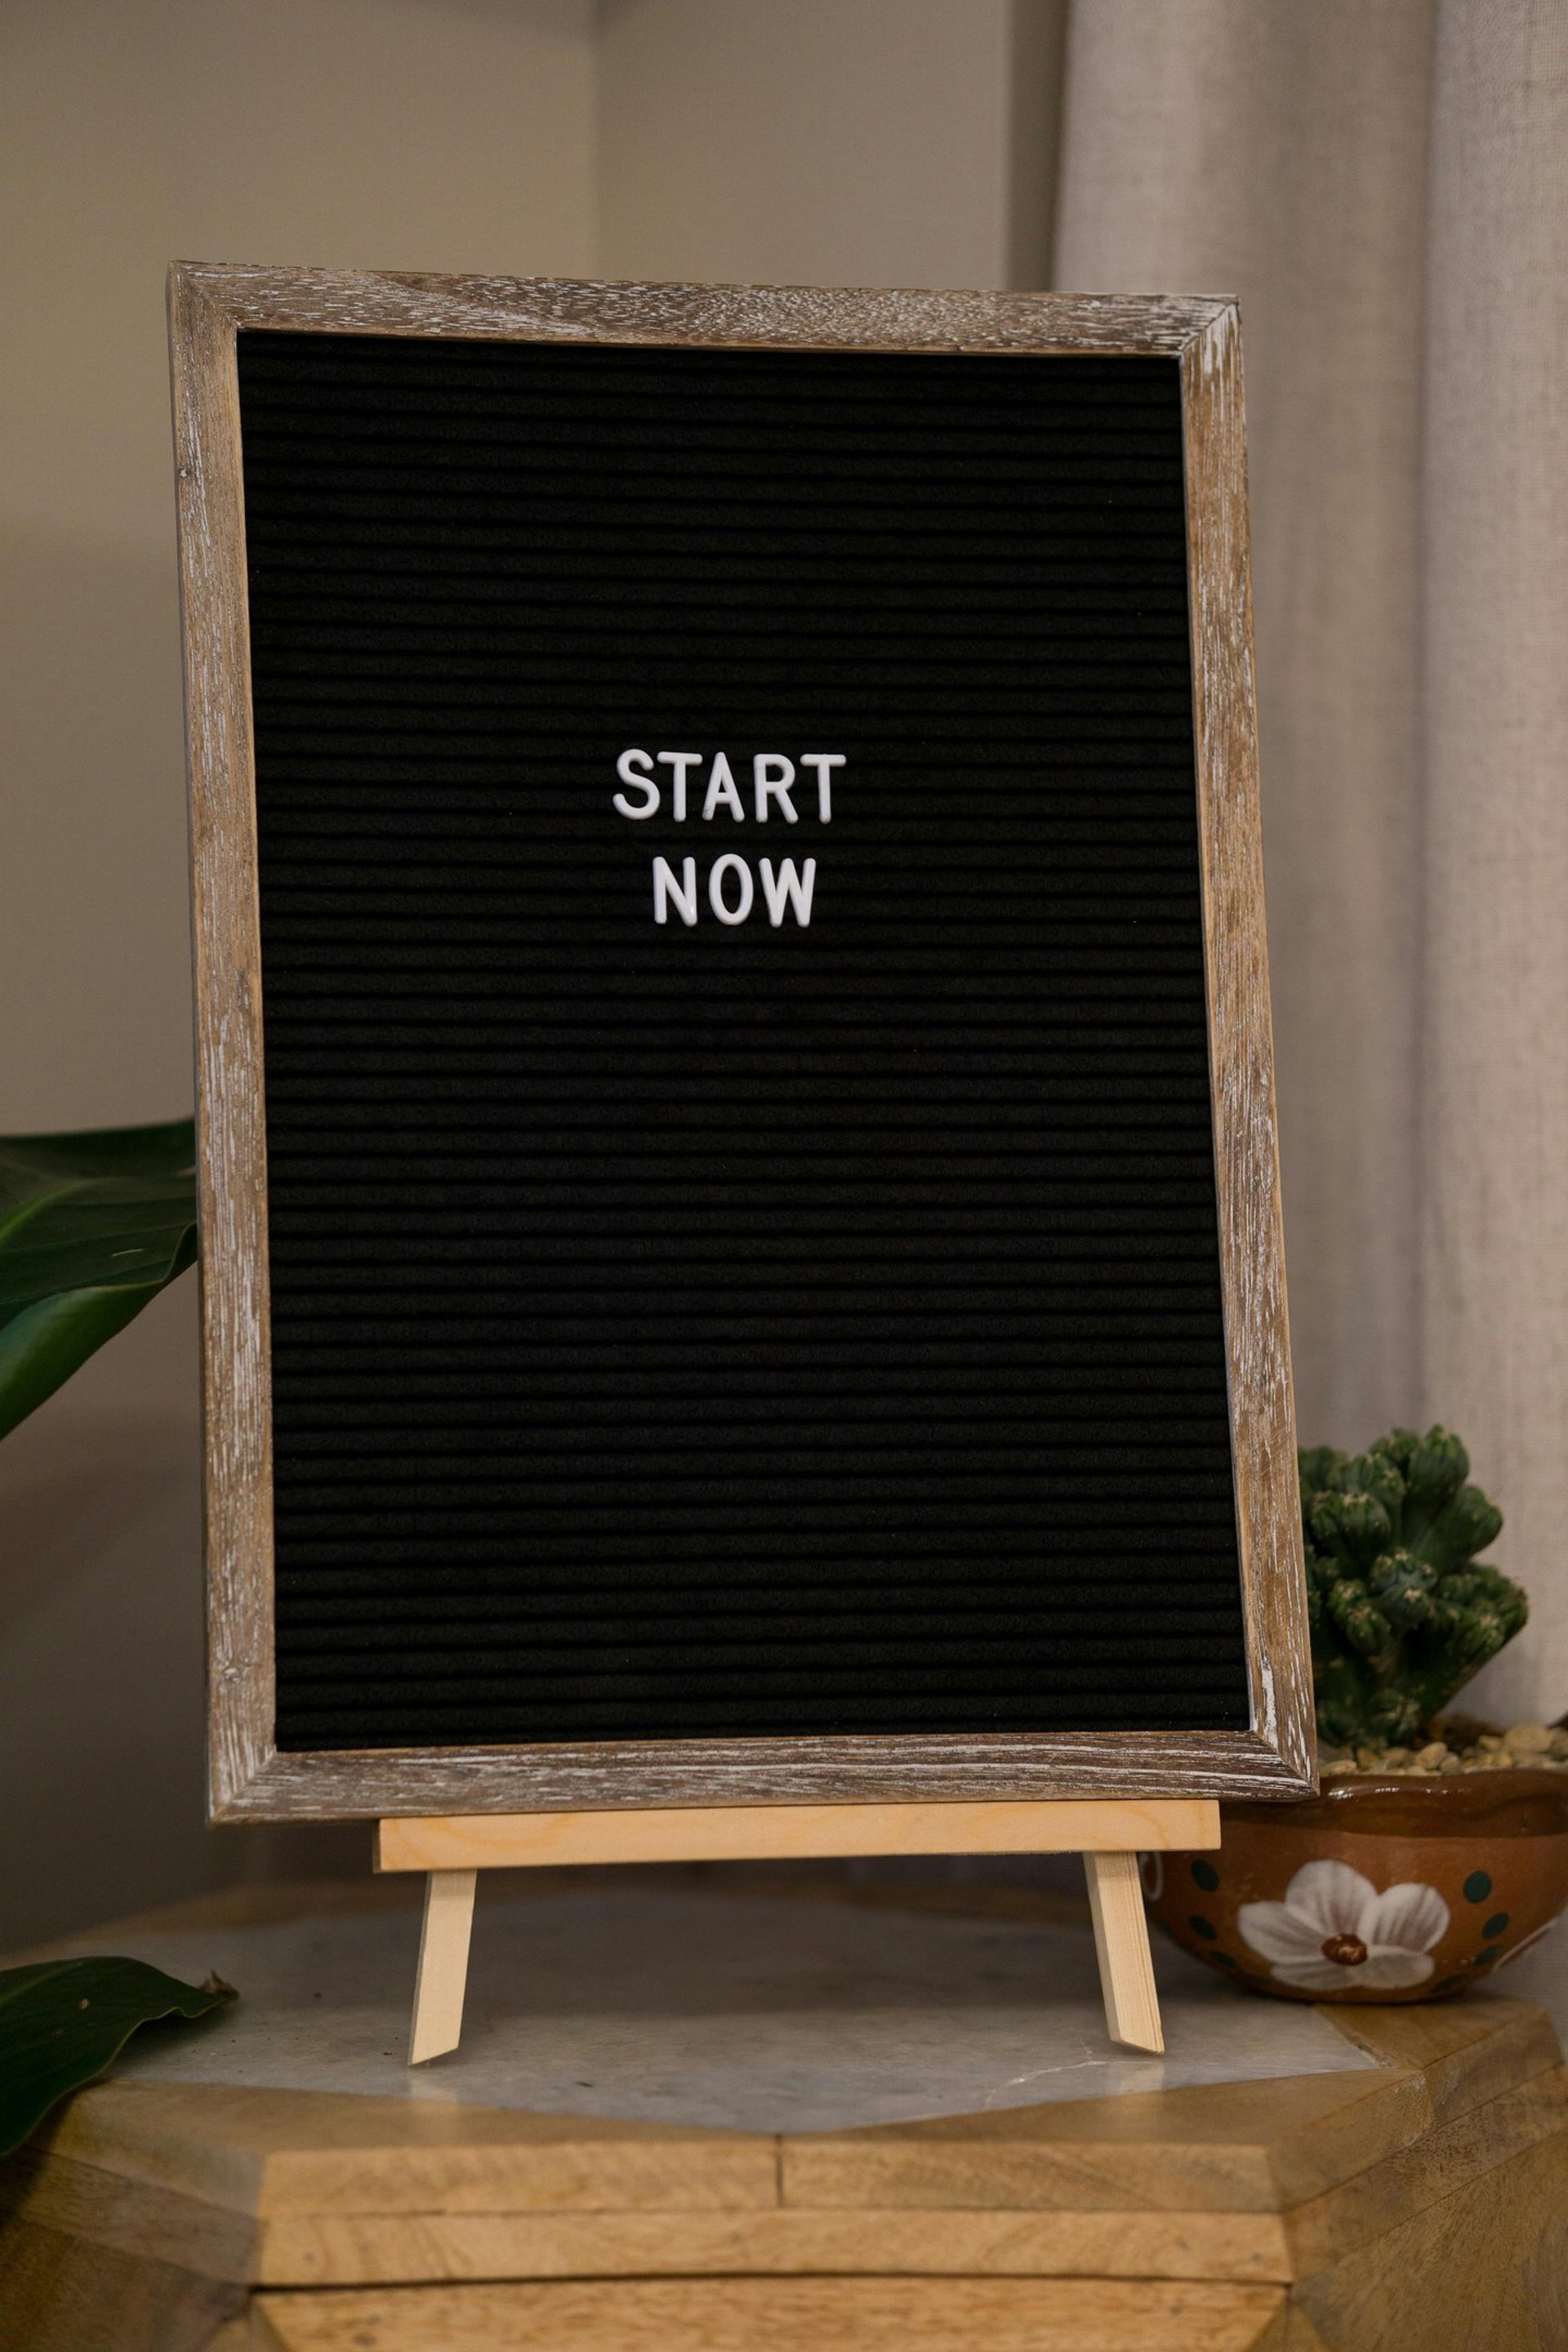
[773, 778]
[730, 889]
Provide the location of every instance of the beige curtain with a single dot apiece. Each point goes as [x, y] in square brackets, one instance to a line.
[1383, 184]
[1494, 758]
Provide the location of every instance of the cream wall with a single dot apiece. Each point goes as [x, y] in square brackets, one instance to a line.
[882, 141]
[409, 133]
[832, 142]
[403, 133]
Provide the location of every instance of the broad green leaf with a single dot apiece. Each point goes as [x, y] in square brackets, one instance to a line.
[92, 1225]
[63, 2022]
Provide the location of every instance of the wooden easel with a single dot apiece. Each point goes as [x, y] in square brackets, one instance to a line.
[1109, 1833]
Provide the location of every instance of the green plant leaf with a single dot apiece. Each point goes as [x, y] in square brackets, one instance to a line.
[1402, 1612]
[92, 1225]
[63, 2022]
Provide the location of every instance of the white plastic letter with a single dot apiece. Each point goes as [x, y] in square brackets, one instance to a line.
[790, 889]
[679, 761]
[772, 774]
[641, 780]
[716, 889]
[666, 888]
[824, 762]
[721, 792]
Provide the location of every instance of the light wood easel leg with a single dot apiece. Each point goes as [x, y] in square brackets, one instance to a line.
[1121, 1944]
[443, 1964]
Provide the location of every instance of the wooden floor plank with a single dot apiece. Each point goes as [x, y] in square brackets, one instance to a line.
[771, 2316]
[1483, 2269]
[95, 2208]
[1466, 2051]
[347, 2249]
[58, 2293]
[1172, 2149]
[266, 2152]
[1463, 2150]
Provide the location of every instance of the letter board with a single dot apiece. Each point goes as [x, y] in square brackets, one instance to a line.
[740, 1241]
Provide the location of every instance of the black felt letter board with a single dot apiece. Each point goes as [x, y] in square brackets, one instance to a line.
[716, 1326]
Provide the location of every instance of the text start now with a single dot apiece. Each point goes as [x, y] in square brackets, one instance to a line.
[730, 892]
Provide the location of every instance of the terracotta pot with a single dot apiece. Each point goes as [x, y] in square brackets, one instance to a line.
[1394, 1889]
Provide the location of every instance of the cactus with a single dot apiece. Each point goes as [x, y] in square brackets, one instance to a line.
[1402, 1611]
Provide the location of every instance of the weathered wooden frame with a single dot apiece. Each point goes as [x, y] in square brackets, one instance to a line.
[250, 1780]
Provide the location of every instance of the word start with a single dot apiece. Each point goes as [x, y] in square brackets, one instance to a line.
[775, 781]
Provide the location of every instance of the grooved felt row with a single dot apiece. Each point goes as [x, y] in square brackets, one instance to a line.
[702, 1328]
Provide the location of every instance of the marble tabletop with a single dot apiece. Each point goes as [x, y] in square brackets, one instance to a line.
[723, 2007]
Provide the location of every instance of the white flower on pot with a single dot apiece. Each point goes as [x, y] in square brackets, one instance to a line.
[1335, 1933]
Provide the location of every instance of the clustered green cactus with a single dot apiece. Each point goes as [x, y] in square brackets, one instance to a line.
[1402, 1611]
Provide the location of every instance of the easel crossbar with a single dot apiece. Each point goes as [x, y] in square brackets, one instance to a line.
[799, 1832]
